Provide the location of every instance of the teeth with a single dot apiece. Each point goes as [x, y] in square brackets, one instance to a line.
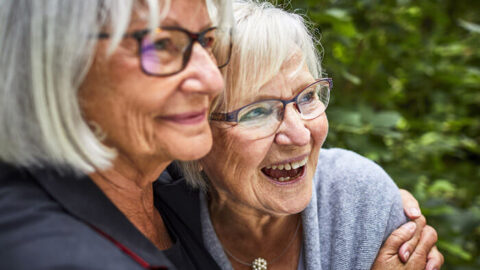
[289, 166]
[281, 179]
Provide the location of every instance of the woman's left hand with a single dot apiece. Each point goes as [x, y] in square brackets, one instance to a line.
[412, 246]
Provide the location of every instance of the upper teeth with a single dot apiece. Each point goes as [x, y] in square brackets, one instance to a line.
[290, 165]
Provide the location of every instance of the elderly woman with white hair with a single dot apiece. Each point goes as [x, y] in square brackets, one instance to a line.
[97, 98]
[273, 198]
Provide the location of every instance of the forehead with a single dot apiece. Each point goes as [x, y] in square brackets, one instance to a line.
[292, 77]
[189, 14]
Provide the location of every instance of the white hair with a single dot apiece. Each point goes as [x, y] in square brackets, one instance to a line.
[265, 38]
[46, 49]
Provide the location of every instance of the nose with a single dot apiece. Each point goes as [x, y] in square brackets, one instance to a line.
[292, 130]
[201, 73]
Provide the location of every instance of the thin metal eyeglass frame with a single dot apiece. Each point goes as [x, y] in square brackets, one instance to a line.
[193, 36]
[233, 115]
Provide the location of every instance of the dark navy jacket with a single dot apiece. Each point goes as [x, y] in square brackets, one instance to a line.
[50, 220]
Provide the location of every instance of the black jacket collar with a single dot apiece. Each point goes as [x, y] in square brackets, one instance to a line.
[81, 197]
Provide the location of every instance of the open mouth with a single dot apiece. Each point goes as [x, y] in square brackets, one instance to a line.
[287, 172]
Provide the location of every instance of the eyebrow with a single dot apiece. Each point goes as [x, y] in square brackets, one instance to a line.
[169, 22]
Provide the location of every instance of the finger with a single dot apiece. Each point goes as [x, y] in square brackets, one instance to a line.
[427, 240]
[410, 205]
[435, 259]
[398, 237]
[410, 245]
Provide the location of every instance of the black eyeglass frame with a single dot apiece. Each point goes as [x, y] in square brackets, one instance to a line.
[194, 36]
[233, 115]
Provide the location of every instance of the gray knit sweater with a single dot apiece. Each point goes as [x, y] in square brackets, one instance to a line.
[355, 206]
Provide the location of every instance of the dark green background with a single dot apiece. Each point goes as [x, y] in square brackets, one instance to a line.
[407, 95]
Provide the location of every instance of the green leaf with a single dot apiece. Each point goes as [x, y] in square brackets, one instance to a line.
[454, 249]
[352, 78]
[442, 188]
[386, 119]
[472, 27]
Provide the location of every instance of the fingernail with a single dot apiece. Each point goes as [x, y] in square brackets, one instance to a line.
[406, 254]
[410, 226]
[430, 266]
[415, 212]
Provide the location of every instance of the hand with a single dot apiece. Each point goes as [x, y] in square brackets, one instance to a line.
[388, 258]
[412, 210]
[412, 246]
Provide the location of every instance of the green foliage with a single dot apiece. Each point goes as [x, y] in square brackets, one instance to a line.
[407, 95]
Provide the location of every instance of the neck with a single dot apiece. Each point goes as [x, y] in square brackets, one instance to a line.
[248, 233]
[130, 188]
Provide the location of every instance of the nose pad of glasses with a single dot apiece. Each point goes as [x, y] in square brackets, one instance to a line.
[295, 105]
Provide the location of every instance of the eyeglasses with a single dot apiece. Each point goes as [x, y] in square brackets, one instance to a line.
[166, 50]
[262, 118]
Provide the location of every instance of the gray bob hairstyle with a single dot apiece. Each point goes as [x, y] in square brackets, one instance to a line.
[46, 49]
[265, 38]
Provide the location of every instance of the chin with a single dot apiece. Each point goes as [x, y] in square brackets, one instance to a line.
[192, 148]
[300, 205]
[296, 203]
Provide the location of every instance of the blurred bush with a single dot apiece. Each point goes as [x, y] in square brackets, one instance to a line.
[407, 95]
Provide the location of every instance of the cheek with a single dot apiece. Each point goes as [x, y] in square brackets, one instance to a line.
[319, 130]
[123, 102]
[242, 158]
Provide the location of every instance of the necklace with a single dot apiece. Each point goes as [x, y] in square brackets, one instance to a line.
[260, 263]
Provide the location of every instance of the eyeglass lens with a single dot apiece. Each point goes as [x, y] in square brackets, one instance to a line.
[262, 119]
[167, 51]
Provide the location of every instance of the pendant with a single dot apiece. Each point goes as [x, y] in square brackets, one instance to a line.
[259, 264]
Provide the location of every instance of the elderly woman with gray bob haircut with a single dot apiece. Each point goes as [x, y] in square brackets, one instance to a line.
[97, 97]
[272, 200]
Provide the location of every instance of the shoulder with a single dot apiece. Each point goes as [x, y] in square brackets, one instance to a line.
[348, 172]
[357, 205]
[35, 232]
[357, 191]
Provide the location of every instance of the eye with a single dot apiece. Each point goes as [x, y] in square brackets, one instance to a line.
[308, 97]
[256, 113]
[209, 41]
[162, 44]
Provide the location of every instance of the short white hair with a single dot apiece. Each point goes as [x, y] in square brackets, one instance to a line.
[265, 38]
[46, 49]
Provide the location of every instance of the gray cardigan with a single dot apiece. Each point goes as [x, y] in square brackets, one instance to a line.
[355, 206]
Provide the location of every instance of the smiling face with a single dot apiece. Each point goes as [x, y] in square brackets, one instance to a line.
[147, 118]
[249, 173]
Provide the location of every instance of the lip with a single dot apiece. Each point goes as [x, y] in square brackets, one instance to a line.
[295, 159]
[288, 183]
[189, 118]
